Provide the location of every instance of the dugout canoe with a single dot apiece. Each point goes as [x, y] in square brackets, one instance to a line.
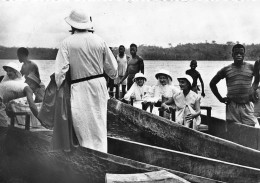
[130, 123]
[241, 134]
[184, 162]
[26, 157]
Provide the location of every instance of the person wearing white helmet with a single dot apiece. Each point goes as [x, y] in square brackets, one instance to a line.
[162, 90]
[138, 90]
[187, 104]
[14, 73]
[14, 88]
[86, 56]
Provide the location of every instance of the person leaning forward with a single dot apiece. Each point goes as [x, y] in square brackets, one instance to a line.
[87, 56]
[240, 92]
[37, 87]
[14, 88]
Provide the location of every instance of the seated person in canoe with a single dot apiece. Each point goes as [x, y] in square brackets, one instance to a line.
[240, 89]
[12, 89]
[161, 91]
[37, 87]
[30, 71]
[187, 104]
[137, 91]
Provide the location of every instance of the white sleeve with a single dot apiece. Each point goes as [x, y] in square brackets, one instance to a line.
[175, 90]
[150, 97]
[61, 64]
[129, 92]
[110, 63]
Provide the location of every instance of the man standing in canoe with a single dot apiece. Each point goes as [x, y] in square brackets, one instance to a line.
[122, 60]
[135, 65]
[87, 56]
[195, 76]
[240, 92]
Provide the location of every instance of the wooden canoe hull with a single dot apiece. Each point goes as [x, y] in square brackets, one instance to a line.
[242, 134]
[26, 157]
[130, 123]
[184, 162]
[30, 159]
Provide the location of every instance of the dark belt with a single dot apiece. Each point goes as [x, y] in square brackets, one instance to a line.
[87, 78]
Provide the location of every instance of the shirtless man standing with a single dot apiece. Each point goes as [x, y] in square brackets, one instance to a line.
[135, 65]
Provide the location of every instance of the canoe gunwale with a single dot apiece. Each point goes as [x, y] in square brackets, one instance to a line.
[173, 136]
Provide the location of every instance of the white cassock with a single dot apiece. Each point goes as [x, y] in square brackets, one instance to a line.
[86, 54]
[138, 92]
[158, 91]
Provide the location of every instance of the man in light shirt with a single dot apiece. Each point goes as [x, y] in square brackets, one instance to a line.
[87, 56]
[122, 60]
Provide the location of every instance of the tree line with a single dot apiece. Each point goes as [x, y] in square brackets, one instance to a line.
[198, 51]
[34, 53]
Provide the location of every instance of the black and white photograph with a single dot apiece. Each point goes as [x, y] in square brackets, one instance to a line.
[129, 91]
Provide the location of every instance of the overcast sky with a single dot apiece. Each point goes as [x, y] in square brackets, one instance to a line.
[41, 23]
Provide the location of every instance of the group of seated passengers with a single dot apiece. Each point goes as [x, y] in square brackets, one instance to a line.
[165, 95]
[13, 86]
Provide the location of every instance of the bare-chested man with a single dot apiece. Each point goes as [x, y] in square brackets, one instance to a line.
[31, 73]
[135, 65]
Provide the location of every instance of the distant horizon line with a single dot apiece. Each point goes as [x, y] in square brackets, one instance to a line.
[138, 45]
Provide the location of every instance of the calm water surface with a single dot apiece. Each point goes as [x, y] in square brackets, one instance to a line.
[207, 70]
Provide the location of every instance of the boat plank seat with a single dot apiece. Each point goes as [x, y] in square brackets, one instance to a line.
[204, 124]
[147, 105]
[13, 114]
[148, 177]
[144, 106]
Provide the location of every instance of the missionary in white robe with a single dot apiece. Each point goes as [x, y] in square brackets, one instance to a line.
[161, 91]
[86, 55]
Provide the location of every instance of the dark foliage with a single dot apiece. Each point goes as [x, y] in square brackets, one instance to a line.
[34, 53]
[198, 51]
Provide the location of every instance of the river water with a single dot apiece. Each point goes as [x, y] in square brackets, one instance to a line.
[207, 70]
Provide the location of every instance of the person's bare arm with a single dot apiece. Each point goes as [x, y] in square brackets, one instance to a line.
[141, 65]
[197, 111]
[22, 70]
[202, 86]
[166, 104]
[214, 89]
[256, 73]
[29, 94]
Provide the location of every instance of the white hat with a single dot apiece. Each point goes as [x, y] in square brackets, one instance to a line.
[164, 72]
[187, 77]
[13, 66]
[139, 75]
[79, 20]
